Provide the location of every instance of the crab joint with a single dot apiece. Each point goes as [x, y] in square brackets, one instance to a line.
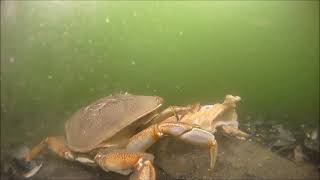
[145, 170]
[68, 155]
[144, 139]
[174, 129]
[122, 161]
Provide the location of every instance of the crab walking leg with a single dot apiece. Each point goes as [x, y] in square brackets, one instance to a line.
[143, 140]
[144, 171]
[205, 139]
[125, 162]
[193, 136]
[147, 137]
[56, 144]
[233, 131]
[175, 111]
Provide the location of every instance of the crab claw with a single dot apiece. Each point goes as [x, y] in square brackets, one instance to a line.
[27, 169]
[20, 166]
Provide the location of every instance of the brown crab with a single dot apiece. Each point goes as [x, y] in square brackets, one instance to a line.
[105, 132]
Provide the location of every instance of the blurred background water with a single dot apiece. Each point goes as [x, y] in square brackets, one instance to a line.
[57, 56]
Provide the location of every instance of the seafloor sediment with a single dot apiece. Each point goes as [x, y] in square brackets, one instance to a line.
[177, 160]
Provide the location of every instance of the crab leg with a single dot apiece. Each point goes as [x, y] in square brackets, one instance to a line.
[145, 172]
[125, 162]
[144, 139]
[56, 144]
[232, 131]
[175, 111]
[202, 138]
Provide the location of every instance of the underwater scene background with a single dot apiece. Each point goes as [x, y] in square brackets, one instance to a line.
[57, 56]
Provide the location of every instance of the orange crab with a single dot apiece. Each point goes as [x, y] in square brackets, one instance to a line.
[104, 133]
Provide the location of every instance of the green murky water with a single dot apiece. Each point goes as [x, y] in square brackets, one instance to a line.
[57, 56]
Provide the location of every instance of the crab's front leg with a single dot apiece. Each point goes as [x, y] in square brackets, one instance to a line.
[125, 162]
[235, 132]
[144, 139]
[56, 143]
[175, 112]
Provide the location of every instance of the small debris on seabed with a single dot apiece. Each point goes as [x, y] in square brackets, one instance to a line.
[300, 144]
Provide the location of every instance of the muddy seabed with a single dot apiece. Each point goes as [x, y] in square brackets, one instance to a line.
[177, 160]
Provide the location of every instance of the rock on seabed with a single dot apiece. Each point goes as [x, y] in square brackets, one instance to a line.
[236, 160]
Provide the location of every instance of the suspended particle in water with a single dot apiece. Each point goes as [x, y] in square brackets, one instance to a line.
[91, 70]
[154, 90]
[90, 41]
[156, 4]
[50, 76]
[148, 86]
[43, 43]
[99, 61]
[12, 60]
[133, 62]
[134, 13]
[180, 33]
[31, 38]
[105, 76]
[35, 99]
[81, 78]
[32, 10]
[107, 20]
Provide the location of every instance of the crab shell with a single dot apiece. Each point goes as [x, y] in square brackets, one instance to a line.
[104, 118]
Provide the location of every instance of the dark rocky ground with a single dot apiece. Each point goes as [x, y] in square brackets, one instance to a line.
[236, 160]
[177, 160]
